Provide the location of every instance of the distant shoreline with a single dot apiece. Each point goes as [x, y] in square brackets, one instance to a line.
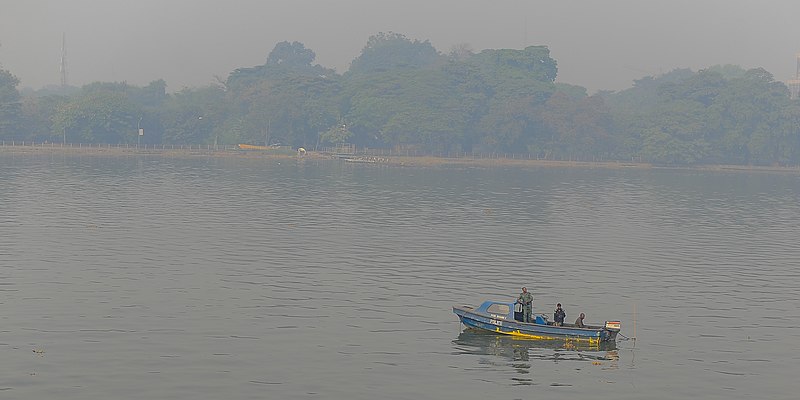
[393, 160]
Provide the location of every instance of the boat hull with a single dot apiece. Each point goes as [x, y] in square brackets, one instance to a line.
[502, 325]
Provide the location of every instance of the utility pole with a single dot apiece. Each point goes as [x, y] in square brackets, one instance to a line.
[266, 133]
[140, 132]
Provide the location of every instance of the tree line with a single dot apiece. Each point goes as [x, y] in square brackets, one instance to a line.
[401, 93]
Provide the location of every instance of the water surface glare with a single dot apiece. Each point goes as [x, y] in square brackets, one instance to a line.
[211, 278]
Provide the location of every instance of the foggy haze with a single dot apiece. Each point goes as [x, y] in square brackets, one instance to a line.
[597, 44]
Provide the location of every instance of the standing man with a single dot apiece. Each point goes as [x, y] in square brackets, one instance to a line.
[526, 299]
[559, 315]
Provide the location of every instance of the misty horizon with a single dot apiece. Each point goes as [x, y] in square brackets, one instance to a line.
[600, 46]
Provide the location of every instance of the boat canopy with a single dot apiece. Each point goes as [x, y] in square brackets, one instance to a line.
[504, 310]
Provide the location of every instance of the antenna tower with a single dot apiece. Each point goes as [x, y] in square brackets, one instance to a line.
[794, 84]
[63, 67]
[797, 70]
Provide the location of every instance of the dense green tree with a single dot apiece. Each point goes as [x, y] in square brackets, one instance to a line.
[515, 71]
[10, 105]
[393, 51]
[781, 145]
[336, 135]
[290, 55]
[291, 111]
[286, 60]
[722, 114]
[488, 99]
[507, 124]
[468, 100]
[674, 139]
[644, 94]
[102, 114]
[574, 92]
[579, 128]
[194, 116]
[749, 118]
[37, 117]
[287, 100]
[517, 82]
[408, 107]
[151, 96]
[402, 93]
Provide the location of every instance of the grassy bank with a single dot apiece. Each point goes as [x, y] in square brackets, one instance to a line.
[407, 161]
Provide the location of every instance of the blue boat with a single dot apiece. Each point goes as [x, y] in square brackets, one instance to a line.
[498, 317]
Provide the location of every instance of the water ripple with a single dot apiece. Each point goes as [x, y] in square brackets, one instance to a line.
[303, 276]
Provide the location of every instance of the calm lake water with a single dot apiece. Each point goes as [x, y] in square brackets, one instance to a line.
[212, 278]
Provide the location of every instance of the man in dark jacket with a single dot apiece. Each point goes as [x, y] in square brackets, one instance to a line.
[559, 315]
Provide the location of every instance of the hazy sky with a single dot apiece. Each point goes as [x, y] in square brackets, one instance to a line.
[598, 44]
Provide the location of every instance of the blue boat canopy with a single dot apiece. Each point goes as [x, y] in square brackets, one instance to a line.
[504, 310]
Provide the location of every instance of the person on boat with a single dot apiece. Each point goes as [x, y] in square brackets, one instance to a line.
[559, 315]
[579, 321]
[526, 299]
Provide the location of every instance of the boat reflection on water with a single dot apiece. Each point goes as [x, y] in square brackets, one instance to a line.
[502, 343]
[506, 351]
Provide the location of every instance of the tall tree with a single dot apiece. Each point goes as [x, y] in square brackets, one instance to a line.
[284, 61]
[10, 105]
[518, 82]
[291, 55]
[391, 51]
[102, 114]
[577, 128]
[37, 117]
[194, 116]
